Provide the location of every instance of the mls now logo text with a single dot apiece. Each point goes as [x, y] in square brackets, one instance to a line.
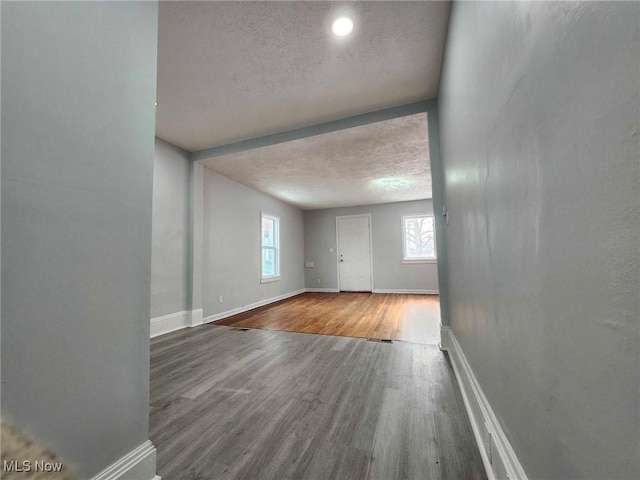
[29, 466]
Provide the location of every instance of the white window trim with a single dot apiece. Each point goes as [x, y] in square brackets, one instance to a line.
[275, 278]
[406, 260]
[270, 278]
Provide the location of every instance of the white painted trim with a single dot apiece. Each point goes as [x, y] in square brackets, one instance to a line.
[169, 323]
[139, 464]
[270, 279]
[358, 215]
[419, 262]
[445, 338]
[498, 456]
[251, 306]
[326, 290]
[399, 290]
[196, 317]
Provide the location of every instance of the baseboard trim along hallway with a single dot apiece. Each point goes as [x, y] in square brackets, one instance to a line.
[409, 292]
[196, 317]
[170, 323]
[251, 306]
[139, 464]
[500, 460]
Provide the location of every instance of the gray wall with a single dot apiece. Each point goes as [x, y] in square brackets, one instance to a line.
[170, 232]
[78, 119]
[539, 136]
[232, 245]
[388, 270]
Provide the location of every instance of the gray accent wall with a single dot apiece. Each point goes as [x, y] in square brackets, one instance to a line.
[232, 245]
[388, 270]
[539, 122]
[78, 120]
[170, 238]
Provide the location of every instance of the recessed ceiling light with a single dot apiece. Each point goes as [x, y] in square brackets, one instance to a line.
[342, 26]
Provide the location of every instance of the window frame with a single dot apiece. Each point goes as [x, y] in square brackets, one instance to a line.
[275, 248]
[407, 260]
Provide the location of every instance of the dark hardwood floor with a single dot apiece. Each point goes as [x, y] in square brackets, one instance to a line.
[260, 405]
[410, 318]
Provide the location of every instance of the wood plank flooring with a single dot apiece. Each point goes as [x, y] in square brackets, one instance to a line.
[261, 405]
[410, 318]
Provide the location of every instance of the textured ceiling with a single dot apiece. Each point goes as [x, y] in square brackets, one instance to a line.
[337, 169]
[229, 71]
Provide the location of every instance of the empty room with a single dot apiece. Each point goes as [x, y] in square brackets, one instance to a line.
[320, 240]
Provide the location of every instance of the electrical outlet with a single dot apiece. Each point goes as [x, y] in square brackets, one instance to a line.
[220, 299]
[319, 281]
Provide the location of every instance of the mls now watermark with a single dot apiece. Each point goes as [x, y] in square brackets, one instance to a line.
[29, 466]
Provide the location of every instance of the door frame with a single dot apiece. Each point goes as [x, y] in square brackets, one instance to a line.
[358, 215]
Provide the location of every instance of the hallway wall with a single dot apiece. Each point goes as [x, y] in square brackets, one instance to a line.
[539, 114]
[170, 227]
[78, 120]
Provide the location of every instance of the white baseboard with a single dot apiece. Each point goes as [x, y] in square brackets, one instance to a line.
[176, 321]
[326, 290]
[169, 323]
[498, 456]
[445, 338]
[251, 306]
[196, 317]
[414, 292]
[139, 464]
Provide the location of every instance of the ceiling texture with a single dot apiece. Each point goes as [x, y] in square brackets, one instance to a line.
[232, 71]
[347, 167]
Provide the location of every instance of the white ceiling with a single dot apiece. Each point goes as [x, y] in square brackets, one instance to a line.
[229, 71]
[341, 168]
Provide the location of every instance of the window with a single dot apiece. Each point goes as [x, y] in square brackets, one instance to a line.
[270, 235]
[418, 239]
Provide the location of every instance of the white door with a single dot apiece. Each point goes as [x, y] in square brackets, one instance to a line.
[354, 254]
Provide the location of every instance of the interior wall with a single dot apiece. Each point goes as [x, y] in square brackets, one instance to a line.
[539, 112]
[170, 230]
[232, 246]
[388, 270]
[78, 121]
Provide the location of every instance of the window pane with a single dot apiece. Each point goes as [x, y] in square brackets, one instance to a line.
[268, 262]
[268, 234]
[269, 240]
[419, 239]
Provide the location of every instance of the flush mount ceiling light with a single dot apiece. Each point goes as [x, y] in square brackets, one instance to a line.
[342, 26]
[396, 185]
